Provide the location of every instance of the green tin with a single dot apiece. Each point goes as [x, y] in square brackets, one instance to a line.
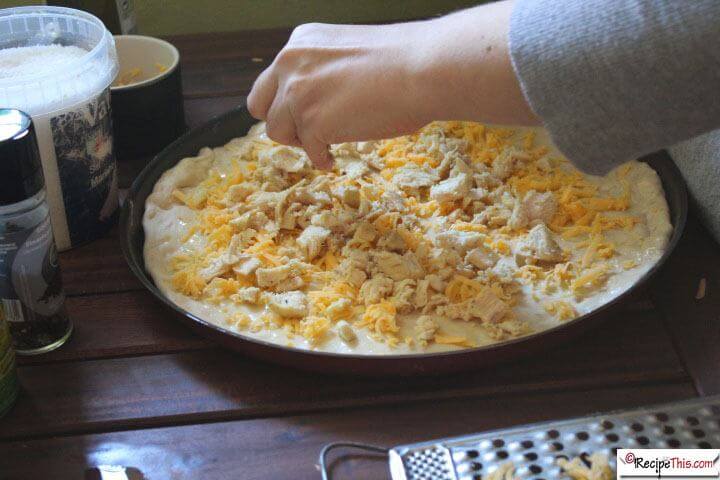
[9, 386]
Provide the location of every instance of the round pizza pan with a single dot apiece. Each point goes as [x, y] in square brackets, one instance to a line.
[237, 122]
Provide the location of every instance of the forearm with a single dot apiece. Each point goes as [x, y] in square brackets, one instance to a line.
[465, 70]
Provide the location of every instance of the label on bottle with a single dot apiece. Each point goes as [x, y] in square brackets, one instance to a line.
[83, 142]
[126, 16]
[32, 300]
[30, 283]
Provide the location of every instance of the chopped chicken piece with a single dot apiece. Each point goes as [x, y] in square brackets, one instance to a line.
[341, 308]
[284, 158]
[493, 216]
[246, 264]
[486, 307]
[219, 265]
[351, 167]
[238, 193]
[304, 216]
[486, 180]
[454, 188]
[436, 282]
[481, 258]
[392, 241]
[436, 300]
[242, 240]
[325, 219]
[272, 277]
[366, 147]
[374, 160]
[365, 233]
[246, 295]
[511, 328]
[479, 193]
[460, 168]
[352, 268]
[453, 145]
[459, 241]
[252, 219]
[290, 217]
[441, 259]
[539, 244]
[292, 283]
[398, 267]
[421, 293]
[272, 179]
[412, 177]
[349, 195]
[445, 165]
[375, 289]
[289, 304]
[313, 195]
[392, 201]
[533, 209]
[345, 149]
[403, 295]
[508, 161]
[356, 277]
[346, 332]
[356, 257]
[312, 240]
[505, 269]
[425, 328]
[289, 251]
[265, 201]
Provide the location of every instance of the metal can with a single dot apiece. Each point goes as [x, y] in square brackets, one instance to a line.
[32, 299]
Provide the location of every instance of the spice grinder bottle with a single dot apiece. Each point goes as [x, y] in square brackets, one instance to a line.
[32, 300]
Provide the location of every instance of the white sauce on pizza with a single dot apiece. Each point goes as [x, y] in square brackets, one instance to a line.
[460, 235]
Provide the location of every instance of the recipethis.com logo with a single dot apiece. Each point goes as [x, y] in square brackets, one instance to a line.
[666, 463]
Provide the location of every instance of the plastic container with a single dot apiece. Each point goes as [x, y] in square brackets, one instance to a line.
[70, 106]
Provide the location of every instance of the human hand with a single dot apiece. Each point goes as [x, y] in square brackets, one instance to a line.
[339, 83]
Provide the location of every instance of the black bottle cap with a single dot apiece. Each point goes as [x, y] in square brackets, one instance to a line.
[21, 174]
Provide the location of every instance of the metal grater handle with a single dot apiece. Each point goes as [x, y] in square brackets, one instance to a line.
[357, 446]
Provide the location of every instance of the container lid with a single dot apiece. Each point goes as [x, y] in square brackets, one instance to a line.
[52, 58]
[21, 174]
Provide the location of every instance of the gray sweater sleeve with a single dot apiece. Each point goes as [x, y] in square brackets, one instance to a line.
[616, 79]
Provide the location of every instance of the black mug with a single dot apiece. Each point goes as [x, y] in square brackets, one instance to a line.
[146, 97]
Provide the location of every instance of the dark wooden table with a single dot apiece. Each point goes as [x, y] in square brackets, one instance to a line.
[134, 387]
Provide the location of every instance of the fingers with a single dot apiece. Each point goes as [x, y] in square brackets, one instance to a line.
[317, 150]
[280, 123]
[262, 94]
[282, 127]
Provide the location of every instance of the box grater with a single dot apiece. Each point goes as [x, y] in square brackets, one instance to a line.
[534, 449]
